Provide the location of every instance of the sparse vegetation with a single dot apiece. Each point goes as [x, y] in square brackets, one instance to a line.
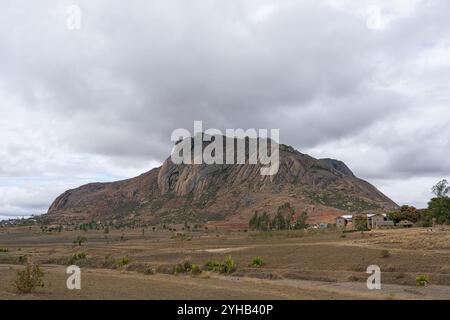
[123, 262]
[29, 279]
[227, 266]
[422, 280]
[214, 266]
[77, 257]
[257, 262]
[186, 267]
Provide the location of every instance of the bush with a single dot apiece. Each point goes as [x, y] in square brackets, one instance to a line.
[214, 266]
[29, 278]
[4, 250]
[77, 257]
[422, 280]
[123, 262]
[186, 267]
[228, 266]
[195, 270]
[257, 262]
[149, 271]
[385, 254]
[178, 268]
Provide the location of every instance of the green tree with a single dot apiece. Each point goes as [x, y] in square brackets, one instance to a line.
[360, 222]
[279, 222]
[406, 213]
[440, 209]
[301, 221]
[253, 223]
[441, 189]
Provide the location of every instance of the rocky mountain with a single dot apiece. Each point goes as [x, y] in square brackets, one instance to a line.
[224, 195]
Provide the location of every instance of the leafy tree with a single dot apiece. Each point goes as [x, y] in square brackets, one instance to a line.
[441, 189]
[360, 222]
[279, 222]
[440, 209]
[264, 222]
[301, 221]
[406, 213]
[253, 221]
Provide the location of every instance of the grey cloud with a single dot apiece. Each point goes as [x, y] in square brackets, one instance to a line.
[105, 99]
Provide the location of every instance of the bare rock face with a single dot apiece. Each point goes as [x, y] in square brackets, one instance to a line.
[227, 194]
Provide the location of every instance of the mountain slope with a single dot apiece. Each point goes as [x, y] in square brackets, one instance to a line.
[226, 194]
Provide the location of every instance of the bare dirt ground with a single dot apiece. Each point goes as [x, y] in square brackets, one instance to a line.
[298, 264]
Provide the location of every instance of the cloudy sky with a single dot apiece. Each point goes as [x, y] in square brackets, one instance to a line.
[366, 82]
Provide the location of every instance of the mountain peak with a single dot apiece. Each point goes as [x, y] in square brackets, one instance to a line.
[324, 188]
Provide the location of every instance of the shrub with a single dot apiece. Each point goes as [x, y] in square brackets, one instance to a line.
[149, 271]
[214, 266]
[195, 270]
[385, 253]
[257, 262]
[4, 250]
[178, 268]
[422, 280]
[123, 262]
[187, 265]
[228, 266]
[77, 257]
[29, 278]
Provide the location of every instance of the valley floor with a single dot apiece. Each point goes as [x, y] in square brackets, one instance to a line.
[298, 265]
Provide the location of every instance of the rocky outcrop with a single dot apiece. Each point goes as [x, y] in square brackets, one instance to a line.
[229, 193]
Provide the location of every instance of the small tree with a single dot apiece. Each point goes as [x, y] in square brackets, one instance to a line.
[360, 222]
[279, 223]
[301, 221]
[29, 278]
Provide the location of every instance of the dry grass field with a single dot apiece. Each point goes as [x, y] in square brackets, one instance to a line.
[313, 264]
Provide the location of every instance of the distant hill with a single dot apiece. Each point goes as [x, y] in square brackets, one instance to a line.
[224, 195]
